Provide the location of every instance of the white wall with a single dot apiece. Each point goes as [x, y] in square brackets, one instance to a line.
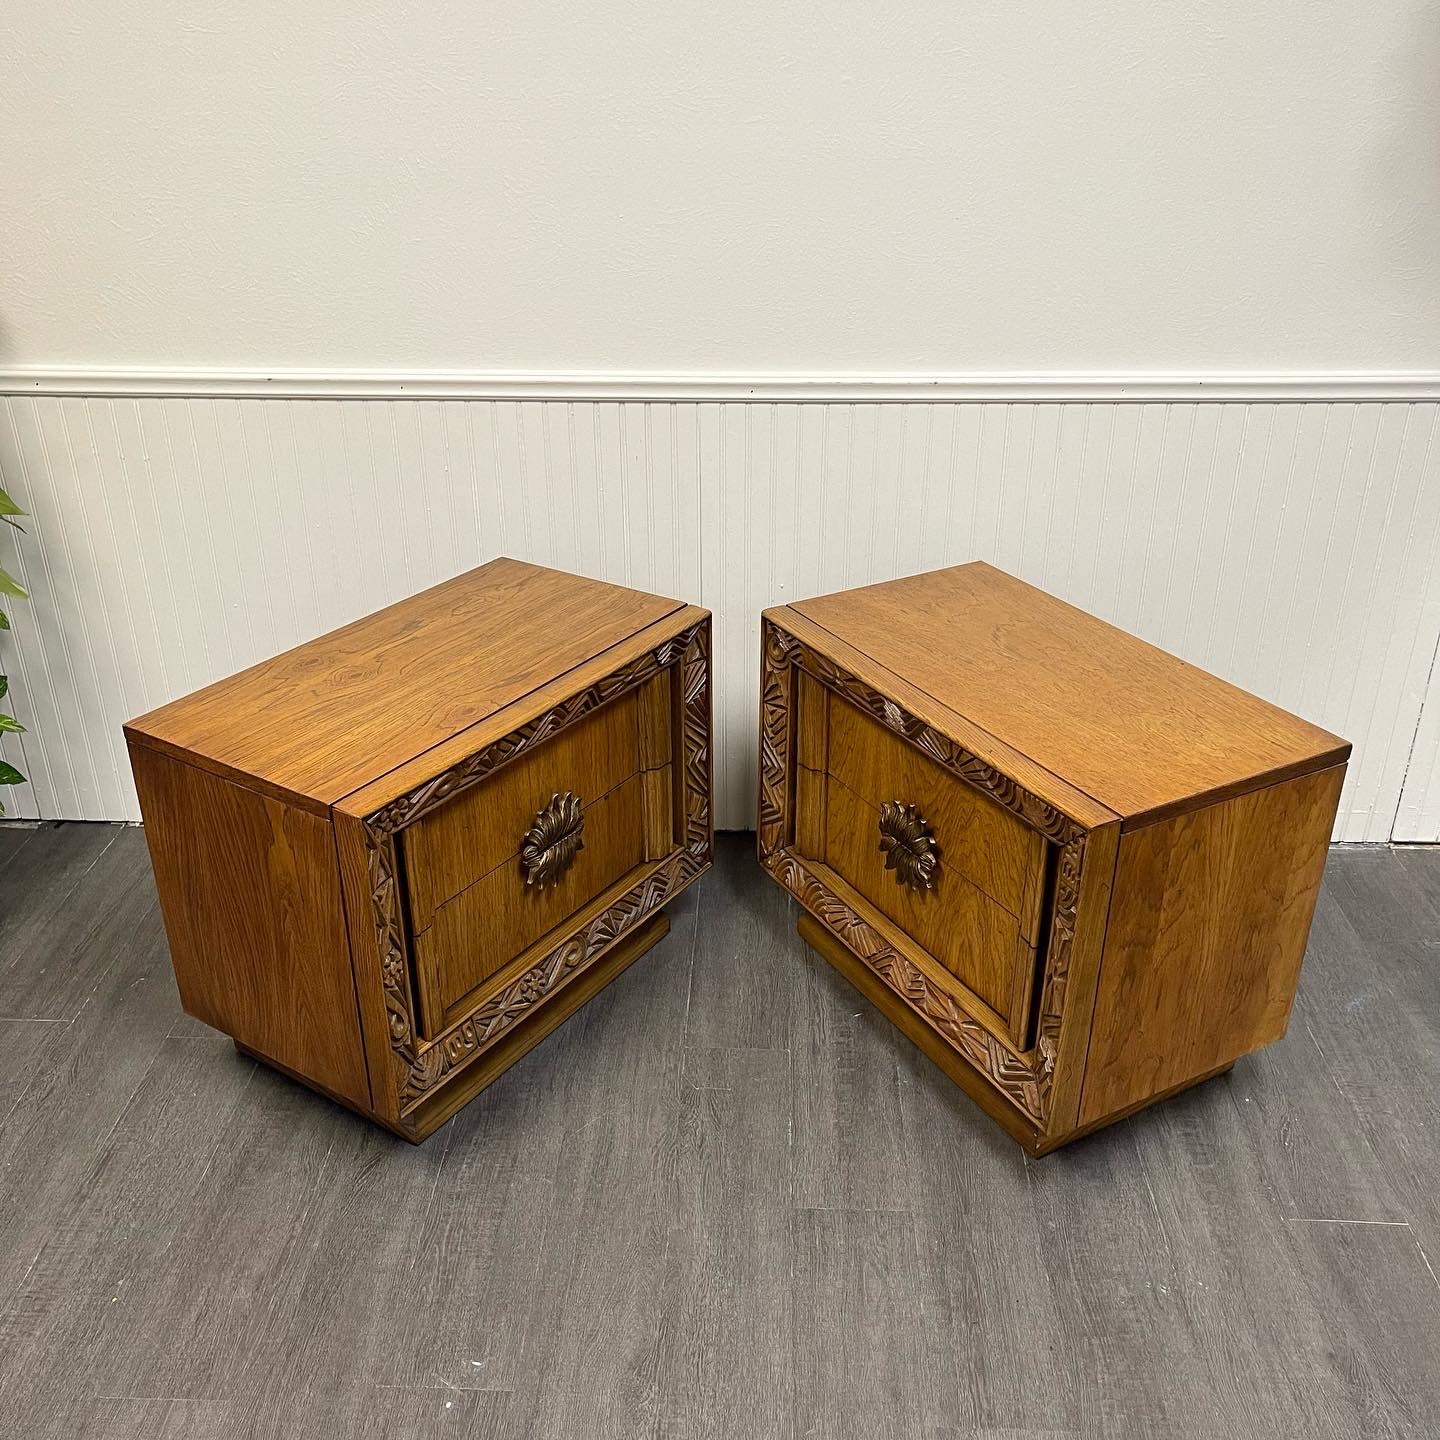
[1294, 548]
[403, 213]
[1079, 184]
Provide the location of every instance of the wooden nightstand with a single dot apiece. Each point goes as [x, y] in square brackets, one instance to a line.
[1076, 871]
[394, 859]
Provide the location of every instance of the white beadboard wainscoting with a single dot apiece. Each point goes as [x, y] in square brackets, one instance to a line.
[1281, 533]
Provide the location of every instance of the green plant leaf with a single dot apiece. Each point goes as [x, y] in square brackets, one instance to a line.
[9, 508]
[9, 775]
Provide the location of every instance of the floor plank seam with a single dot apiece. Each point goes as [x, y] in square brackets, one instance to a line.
[124, 1109]
[1154, 1203]
[1426, 1259]
[9, 859]
[690, 962]
[1331, 1220]
[434, 1188]
[116, 831]
[854, 1210]
[440, 1389]
[692, 1048]
[156, 1399]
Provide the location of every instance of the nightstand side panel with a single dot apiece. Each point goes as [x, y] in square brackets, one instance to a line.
[250, 892]
[1207, 930]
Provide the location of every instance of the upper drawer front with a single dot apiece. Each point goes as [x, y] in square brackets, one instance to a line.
[479, 932]
[481, 828]
[979, 840]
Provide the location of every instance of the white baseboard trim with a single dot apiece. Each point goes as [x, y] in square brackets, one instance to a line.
[1038, 387]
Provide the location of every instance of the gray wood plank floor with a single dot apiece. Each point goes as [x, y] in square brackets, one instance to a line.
[726, 1199]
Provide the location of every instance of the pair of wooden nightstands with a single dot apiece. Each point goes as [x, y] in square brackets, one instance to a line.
[1076, 871]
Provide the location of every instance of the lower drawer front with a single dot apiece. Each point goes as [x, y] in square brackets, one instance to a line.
[975, 938]
[980, 840]
[478, 932]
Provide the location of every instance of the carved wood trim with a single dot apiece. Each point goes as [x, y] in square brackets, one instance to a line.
[421, 1065]
[1025, 1080]
[406, 809]
[509, 1006]
[696, 731]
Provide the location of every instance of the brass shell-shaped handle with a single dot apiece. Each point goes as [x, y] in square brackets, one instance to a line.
[909, 846]
[555, 837]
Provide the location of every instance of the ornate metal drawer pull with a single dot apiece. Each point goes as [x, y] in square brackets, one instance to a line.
[553, 840]
[909, 846]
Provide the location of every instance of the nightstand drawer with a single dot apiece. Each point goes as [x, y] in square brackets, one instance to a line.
[467, 837]
[973, 937]
[486, 930]
[976, 840]
[961, 878]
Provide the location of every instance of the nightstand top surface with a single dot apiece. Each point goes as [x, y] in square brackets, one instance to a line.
[334, 714]
[1135, 728]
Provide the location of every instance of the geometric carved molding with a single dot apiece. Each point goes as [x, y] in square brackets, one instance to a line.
[422, 1064]
[1025, 1079]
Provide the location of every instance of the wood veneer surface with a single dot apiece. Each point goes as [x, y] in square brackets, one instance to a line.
[973, 936]
[1137, 729]
[322, 720]
[467, 837]
[478, 932]
[979, 840]
[1206, 934]
[252, 902]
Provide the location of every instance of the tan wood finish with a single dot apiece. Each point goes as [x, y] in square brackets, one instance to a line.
[1082, 981]
[1207, 931]
[990, 749]
[657, 707]
[979, 840]
[1161, 838]
[465, 839]
[1110, 713]
[939, 980]
[336, 834]
[812, 759]
[251, 899]
[479, 931]
[975, 938]
[520, 714]
[329, 717]
[367, 960]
